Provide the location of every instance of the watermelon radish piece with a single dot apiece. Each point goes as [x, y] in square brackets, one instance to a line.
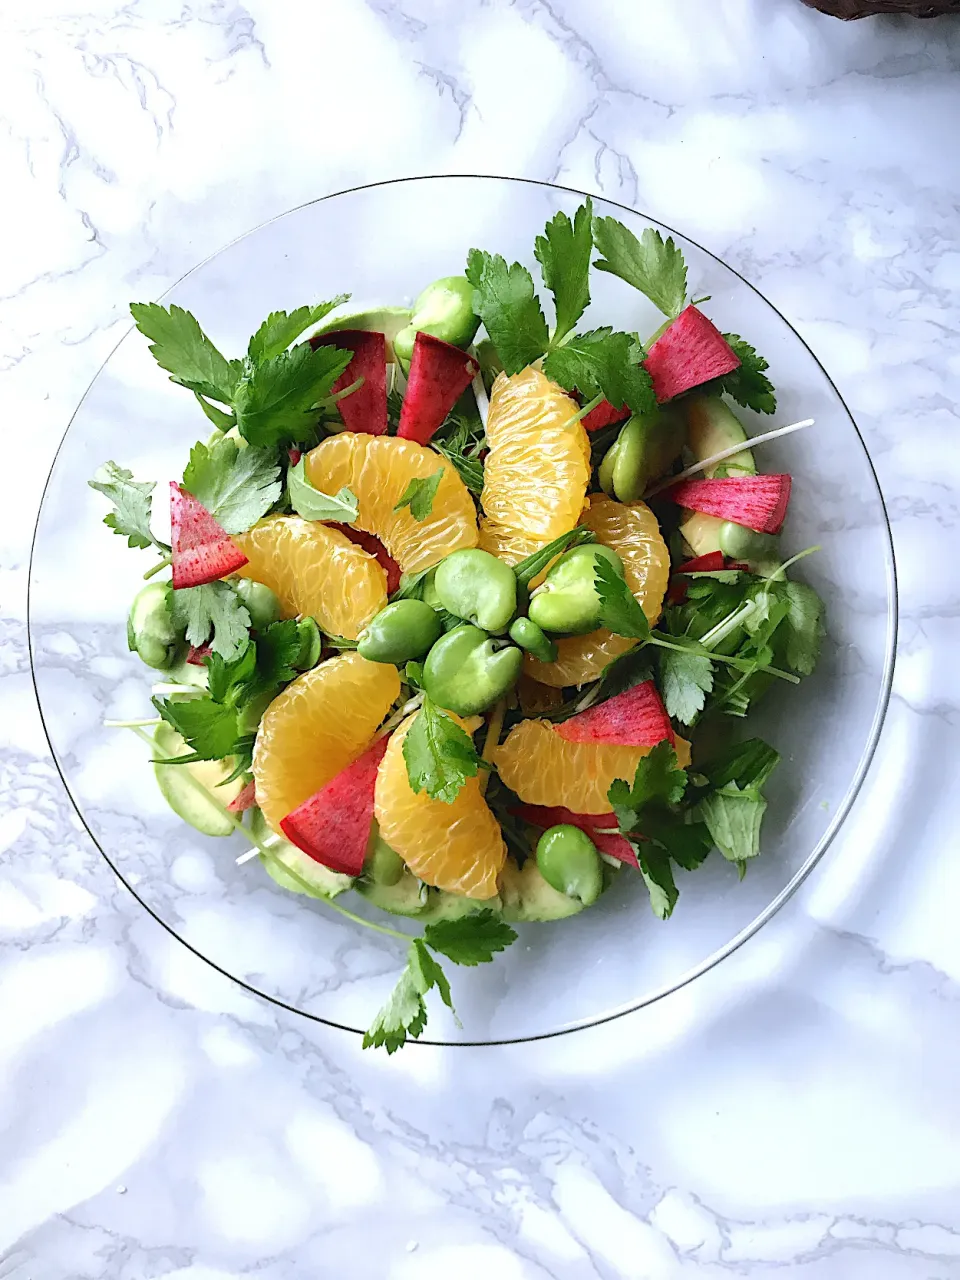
[677, 591]
[597, 826]
[370, 542]
[635, 718]
[604, 415]
[295, 455]
[758, 502]
[197, 657]
[333, 826]
[439, 375]
[202, 550]
[244, 799]
[363, 410]
[691, 352]
[709, 563]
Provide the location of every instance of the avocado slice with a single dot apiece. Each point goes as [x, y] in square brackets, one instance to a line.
[451, 906]
[712, 427]
[386, 320]
[309, 877]
[178, 785]
[407, 897]
[526, 896]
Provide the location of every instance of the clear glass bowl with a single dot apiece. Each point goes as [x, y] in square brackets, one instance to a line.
[383, 243]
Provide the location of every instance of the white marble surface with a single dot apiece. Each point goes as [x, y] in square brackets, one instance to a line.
[796, 1109]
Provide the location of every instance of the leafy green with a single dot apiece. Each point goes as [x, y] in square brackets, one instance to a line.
[658, 876]
[748, 764]
[312, 504]
[222, 421]
[440, 756]
[535, 563]
[278, 648]
[749, 384]
[237, 486]
[283, 327]
[605, 363]
[419, 495]
[471, 940]
[132, 502]
[803, 626]
[733, 818]
[658, 780]
[685, 680]
[563, 252]
[181, 347]
[505, 300]
[226, 679]
[210, 728]
[458, 442]
[215, 607]
[651, 264]
[620, 612]
[276, 400]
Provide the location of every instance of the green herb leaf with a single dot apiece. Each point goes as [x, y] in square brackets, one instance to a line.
[419, 495]
[748, 764]
[658, 877]
[278, 648]
[214, 607]
[210, 728]
[237, 486]
[651, 264]
[222, 421]
[283, 327]
[440, 756]
[471, 940]
[659, 780]
[312, 504]
[685, 680]
[688, 843]
[132, 500]
[181, 347]
[620, 612]
[563, 252]
[505, 300]
[405, 1012]
[804, 627]
[227, 679]
[733, 818]
[276, 401]
[535, 563]
[605, 363]
[457, 442]
[749, 384]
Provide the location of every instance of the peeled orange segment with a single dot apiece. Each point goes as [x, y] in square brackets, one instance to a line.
[538, 468]
[543, 768]
[457, 847]
[316, 727]
[630, 529]
[378, 469]
[315, 571]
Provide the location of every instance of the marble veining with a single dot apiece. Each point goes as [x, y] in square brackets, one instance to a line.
[795, 1110]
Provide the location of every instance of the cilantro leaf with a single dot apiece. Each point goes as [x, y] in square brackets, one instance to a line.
[658, 877]
[651, 264]
[213, 607]
[227, 679]
[278, 647]
[504, 299]
[419, 495]
[210, 728]
[685, 679]
[658, 780]
[748, 764]
[733, 819]
[563, 252]
[132, 500]
[275, 399]
[237, 486]
[312, 504]
[620, 612]
[688, 843]
[803, 626]
[603, 362]
[471, 940]
[440, 756]
[181, 347]
[749, 384]
[283, 327]
[405, 1012]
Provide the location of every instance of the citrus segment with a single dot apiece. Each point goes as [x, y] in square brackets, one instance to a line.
[315, 571]
[633, 532]
[379, 469]
[538, 468]
[545, 769]
[316, 727]
[457, 847]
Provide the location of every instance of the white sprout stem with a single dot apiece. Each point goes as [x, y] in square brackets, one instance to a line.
[483, 403]
[388, 726]
[731, 452]
[132, 724]
[163, 688]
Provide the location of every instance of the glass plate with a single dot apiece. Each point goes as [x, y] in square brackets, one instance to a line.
[383, 243]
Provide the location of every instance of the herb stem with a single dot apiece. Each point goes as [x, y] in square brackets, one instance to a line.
[131, 724]
[340, 395]
[589, 407]
[159, 566]
[741, 664]
[727, 627]
[492, 740]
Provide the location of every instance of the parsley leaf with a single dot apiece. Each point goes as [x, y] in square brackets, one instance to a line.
[688, 843]
[419, 495]
[132, 501]
[283, 327]
[213, 607]
[620, 612]
[685, 679]
[563, 252]
[275, 400]
[658, 877]
[181, 347]
[504, 299]
[651, 264]
[603, 362]
[733, 819]
[210, 728]
[440, 756]
[222, 421]
[312, 504]
[278, 647]
[749, 384]
[748, 764]
[658, 780]
[471, 940]
[803, 626]
[226, 680]
[405, 1012]
[237, 486]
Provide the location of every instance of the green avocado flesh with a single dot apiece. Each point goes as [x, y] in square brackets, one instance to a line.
[308, 877]
[178, 785]
[713, 427]
[386, 320]
[526, 896]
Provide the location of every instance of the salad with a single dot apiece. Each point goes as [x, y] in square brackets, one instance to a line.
[460, 610]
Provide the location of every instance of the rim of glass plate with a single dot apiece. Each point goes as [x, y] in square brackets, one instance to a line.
[853, 790]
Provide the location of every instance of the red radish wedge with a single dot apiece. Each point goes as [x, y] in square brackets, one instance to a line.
[197, 657]
[709, 563]
[439, 375]
[758, 502]
[600, 827]
[202, 550]
[333, 826]
[244, 799]
[363, 410]
[691, 352]
[370, 542]
[604, 415]
[295, 455]
[635, 718]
